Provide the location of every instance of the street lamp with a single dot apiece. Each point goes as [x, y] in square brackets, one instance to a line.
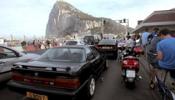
[102, 26]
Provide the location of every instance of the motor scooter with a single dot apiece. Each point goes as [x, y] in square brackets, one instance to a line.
[130, 68]
[138, 50]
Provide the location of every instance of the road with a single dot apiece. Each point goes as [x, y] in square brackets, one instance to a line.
[109, 87]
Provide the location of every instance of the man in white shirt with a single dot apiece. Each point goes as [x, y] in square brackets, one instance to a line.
[130, 42]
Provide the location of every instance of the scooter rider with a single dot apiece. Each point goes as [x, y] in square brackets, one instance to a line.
[130, 43]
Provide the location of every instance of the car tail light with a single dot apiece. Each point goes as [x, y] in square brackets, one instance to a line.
[17, 77]
[69, 83]
[136, 63]
[125, 62]
[60, 82]
[97, 46]
[138, 49]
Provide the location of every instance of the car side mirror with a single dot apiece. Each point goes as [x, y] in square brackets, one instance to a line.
[24, 52]
[20, 54]
[17, 54]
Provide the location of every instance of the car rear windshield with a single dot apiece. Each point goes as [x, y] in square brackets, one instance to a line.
[88, 38]
[64, 54]
[107, 42]
[71, 43]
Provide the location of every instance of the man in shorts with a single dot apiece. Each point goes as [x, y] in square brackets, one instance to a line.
[166, 52]
[152, 58]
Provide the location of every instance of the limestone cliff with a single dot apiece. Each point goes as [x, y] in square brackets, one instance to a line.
[64, 19]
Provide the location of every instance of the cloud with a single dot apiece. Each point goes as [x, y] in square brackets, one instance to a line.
[118, 9]
[19, 17]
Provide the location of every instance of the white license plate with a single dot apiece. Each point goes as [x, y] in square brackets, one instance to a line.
[130, 73]
[107, 47]
[36, 96]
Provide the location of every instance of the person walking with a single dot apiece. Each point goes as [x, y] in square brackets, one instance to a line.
[153, 34]
[152, 58]
[166, 54]
[166, 50]
[144, 37]
[144, 40]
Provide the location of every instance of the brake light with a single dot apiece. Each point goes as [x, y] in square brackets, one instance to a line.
[97, 46]
[138, 49]
[69, 83]
[131, 62]
[125, 62]
[17, 77]
[60, 82]
[136, 63]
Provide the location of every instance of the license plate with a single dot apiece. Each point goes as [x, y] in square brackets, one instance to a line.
[130, 73]
[107, 47]
[36, 96]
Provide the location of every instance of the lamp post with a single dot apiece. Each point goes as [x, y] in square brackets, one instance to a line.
[102, 26]
[127, 25]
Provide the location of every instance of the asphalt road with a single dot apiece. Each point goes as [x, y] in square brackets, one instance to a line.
[109, 87]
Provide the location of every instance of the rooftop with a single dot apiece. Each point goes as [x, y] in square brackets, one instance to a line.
[162, 18]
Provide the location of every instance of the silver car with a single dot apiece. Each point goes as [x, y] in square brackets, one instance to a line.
[8, 57]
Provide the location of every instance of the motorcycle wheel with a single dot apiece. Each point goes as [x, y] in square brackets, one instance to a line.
[130, 85]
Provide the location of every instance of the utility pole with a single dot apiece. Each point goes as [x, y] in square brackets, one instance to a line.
[11, 37]
[127, 25]
[24, 37]
[102, 26]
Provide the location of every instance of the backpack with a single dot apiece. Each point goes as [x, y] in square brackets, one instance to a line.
[150, 37]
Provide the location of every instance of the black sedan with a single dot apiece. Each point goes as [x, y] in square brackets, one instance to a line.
[108, 47]
[63, 71]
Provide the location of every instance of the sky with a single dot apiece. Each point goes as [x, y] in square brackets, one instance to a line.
[19, 18]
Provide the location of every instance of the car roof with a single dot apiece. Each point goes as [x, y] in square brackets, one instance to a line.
[108, 40]
[70, 40]
[74, 46]
[73, 40]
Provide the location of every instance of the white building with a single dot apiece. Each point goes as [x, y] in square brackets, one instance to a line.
[1, 41]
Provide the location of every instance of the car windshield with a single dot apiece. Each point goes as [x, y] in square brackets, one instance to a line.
[64, 55]
[89, 38]
[107, 42]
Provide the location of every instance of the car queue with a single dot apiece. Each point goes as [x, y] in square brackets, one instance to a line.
[66, 71]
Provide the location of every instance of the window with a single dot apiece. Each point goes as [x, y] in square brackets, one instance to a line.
[108, 42]
[88, 51]
[6, 53]
[64, 54]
